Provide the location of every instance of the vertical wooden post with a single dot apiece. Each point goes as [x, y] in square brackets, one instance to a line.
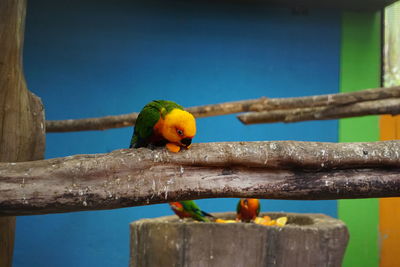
[22, 133]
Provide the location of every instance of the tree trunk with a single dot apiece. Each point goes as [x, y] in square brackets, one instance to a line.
[21, 113]
[306, 240]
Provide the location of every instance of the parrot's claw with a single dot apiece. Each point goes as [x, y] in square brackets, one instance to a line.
[151, 146]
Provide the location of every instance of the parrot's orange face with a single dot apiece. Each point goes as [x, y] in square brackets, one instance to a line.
[250, 203]
[176, 206]
[179, 127]
[248, 209]
[178, 210]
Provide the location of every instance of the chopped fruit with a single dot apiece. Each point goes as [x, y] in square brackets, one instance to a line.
[269, 223]
[259, 220]
[224, 221]
[267, 218]
[281, 221]
[264, 220]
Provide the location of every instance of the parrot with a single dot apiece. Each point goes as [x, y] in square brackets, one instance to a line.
[164, 123]
[247, 209]
[189, 209]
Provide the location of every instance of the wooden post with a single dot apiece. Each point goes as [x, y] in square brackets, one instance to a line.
[307, 240]
[21, 113]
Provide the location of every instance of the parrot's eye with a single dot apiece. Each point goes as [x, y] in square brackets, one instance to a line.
[180, 132]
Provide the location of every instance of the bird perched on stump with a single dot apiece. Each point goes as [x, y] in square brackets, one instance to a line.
[189, 209]
[247, 209]
[164, 123]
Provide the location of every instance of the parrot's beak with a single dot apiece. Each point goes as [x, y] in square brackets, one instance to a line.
[186, 141]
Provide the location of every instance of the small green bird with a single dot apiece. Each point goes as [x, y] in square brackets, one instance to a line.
[164, 123]
[189, 209]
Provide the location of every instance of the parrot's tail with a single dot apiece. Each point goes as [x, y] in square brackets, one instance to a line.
[207, 214]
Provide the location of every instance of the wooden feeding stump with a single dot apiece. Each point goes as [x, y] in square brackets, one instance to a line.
[306, 240]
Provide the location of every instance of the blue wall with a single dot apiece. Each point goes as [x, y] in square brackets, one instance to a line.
[96, 58]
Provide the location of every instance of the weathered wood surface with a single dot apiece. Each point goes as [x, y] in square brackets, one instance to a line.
[307, 240]
[280, 108]
[377, 107]
[91, 124]
[22, 135]
[132, 177]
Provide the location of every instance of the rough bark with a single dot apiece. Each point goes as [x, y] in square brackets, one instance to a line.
[91, 124]
[386, 106]
[21, 113]
[261, 104]
[307, 240]
[132, 177]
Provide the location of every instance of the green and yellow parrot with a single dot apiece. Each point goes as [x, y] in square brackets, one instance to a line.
[164, 123]
[189, 209]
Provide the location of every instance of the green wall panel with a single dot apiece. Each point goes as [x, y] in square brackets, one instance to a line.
[360, 69]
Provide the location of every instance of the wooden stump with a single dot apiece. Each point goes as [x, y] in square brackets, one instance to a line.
[307, 240]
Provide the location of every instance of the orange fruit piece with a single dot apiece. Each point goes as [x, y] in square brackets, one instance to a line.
[224, 221]
[267, 218]
[259, 220]
[272, 222]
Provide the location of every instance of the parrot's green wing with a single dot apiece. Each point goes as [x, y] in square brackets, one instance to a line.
[145, 122]
[238, 207]
[147, 118]
[259, 208]
[197, 214]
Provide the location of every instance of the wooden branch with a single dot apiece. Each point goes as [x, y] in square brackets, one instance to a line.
[126, 120]
[261, 104]
[377, 107]
[132, 177]
[91, 124]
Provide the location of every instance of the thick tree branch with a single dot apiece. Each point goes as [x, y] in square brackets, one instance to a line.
[377, 107]
[261, 104]
[131, 177]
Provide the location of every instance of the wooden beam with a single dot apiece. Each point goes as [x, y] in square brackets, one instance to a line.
[132, 177]
[21, 113]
